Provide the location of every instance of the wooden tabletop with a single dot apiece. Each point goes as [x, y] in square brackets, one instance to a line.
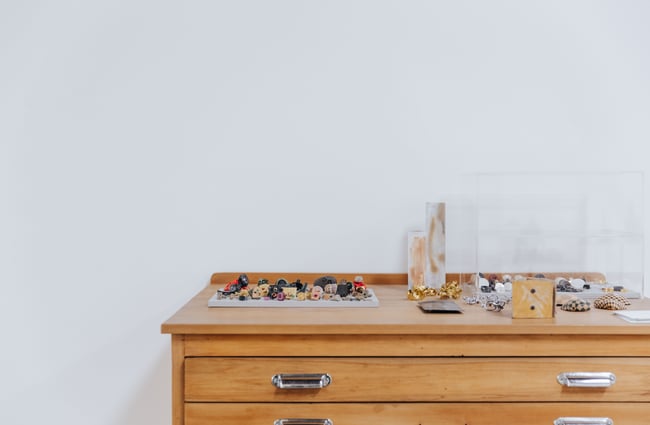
[395, 315]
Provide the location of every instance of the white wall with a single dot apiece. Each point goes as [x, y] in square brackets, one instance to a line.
[145, 144]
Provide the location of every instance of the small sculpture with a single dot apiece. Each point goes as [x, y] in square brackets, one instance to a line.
[331, 288]
[564, 285]
[274, 290]
[344, 288]
[256, 293]
[324, 280]
[236, 285]
[316, 293]
[358, 284]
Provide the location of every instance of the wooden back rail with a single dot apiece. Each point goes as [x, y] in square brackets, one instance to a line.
[385, 278]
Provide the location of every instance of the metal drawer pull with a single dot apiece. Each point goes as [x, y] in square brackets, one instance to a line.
[587, 379]
[301, 381]
[583, 421]
[303, 422]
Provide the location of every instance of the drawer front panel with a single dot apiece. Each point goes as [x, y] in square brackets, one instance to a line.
[413, 414]
[413, 379]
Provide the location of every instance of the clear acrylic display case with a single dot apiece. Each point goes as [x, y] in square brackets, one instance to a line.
[570, 225]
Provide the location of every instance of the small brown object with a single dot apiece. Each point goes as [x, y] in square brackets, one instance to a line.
[611, 301]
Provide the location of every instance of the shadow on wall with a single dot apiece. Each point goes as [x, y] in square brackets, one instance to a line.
[125, 382]
[151, 401]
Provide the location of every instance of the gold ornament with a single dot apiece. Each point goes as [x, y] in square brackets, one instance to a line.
[448, 290]
[421, 292]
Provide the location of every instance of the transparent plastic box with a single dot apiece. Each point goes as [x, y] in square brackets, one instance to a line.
[578, 226]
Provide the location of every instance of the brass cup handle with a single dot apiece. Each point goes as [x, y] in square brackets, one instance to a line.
[587, 380]
[301, 381]
[303, 422]
[583, 421]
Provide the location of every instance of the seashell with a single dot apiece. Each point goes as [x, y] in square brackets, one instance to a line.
[611, 302]
[564, 297]
[576, 305]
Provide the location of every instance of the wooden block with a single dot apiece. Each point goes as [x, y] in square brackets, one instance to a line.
[533, 299]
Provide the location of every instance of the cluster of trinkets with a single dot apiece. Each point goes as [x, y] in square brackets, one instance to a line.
[608, 301]
[612, 299]
[494, 294]
[492, 283]
[490, 302]
[581, 284]
[448, 290]
[326, 288]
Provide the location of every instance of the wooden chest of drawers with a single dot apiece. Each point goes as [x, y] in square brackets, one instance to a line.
[396, 365]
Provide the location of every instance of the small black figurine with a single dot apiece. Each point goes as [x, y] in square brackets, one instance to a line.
[324, 280]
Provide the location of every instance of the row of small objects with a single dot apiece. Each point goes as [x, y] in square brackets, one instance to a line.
[608, 301]
[493, 284]
[497, 302]
[447, 290]
[490, 301]
[453, 290]
[324, 288]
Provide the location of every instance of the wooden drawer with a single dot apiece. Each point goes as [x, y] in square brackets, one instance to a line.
[413, 414]
[406, 379]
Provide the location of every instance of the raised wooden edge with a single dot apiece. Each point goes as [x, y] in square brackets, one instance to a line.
[221, 278]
